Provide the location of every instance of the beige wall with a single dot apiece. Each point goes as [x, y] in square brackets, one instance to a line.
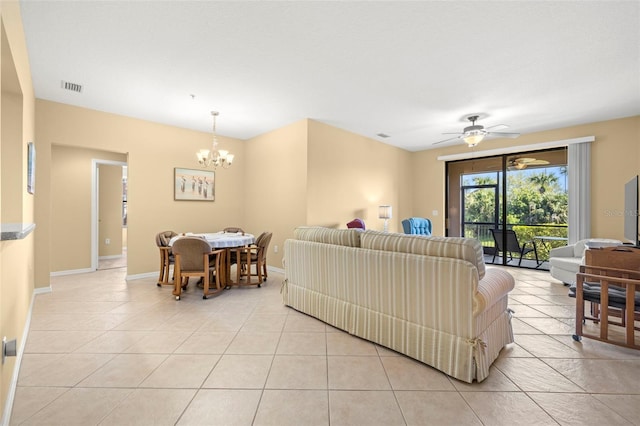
[280, 180]
[350, 175]
[614, 160]
[13, 149]
[153, 150]
[309, 173]
[16, 257]
[70, 184]
[428, 190]
[275, 187]
[330, 176]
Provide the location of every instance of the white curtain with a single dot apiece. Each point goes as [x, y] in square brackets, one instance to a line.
[579, 170]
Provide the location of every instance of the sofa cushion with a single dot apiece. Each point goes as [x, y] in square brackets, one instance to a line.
[452, 247]
[318, 234]
[578, 248]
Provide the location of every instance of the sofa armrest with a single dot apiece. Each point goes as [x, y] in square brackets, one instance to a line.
[493, 287]
[565, 251]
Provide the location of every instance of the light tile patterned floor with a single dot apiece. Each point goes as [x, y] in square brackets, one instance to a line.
[103, 351]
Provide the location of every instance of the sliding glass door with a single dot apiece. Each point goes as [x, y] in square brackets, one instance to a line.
[525, 193]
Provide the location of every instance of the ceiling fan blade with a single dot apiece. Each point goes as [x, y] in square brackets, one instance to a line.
[447, 140]
[497, 127]
[453, 133]
[503, 135]
[538, 163]
[524, 160]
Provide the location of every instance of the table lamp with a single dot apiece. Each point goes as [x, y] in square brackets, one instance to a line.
[384, 212]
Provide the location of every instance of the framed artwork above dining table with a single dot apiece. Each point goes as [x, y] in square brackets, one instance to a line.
[193, 185]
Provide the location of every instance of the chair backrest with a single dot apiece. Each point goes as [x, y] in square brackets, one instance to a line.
[356, 223]
[233, 230]
[417, 225]
[163, 238]
[191, 251]
[513, 245]
[263, 241]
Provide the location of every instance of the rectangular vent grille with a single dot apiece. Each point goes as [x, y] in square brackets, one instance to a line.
[72, 86]
[383, 135]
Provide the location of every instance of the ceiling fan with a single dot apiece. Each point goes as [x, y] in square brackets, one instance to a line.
[524, 162]
[474, 134]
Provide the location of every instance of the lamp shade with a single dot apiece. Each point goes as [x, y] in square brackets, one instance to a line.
[473, 138]
[384, 212]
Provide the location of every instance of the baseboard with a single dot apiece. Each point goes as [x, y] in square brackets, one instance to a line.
[274, 269]
[142, 276]
[71, 272]
[8, 406]
[114, 256]
[43, 290]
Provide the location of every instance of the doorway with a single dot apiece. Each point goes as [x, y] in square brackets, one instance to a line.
[525, 192]
[109, 215]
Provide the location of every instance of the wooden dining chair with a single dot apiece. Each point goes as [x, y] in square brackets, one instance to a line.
[252, 260]
[614, 294]
[166, 256]
[195, 258]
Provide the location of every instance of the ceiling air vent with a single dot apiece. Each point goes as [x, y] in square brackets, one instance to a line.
[72, 86]
[383, 135]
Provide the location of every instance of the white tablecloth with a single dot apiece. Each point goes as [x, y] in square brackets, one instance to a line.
[222, 239]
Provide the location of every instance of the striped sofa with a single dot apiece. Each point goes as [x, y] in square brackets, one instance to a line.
[430, 298]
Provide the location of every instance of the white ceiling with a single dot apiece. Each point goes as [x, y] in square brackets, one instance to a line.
[412, 70]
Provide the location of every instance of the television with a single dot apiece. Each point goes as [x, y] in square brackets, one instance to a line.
[631, 211]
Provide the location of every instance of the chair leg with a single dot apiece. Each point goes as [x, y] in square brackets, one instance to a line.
[206, 277]
[177, 282]
[161, 276]
[163, 269]
[213, 277]
[579, 312]
[258, 271]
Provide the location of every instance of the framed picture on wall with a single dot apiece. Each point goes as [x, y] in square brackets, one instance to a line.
[193, 185]
[31, 168]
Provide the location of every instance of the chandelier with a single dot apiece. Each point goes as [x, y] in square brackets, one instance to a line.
[214, 157]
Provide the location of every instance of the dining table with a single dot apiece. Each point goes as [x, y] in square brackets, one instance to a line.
[222, 240]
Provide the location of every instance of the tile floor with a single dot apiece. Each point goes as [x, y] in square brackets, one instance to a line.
[114, 262]
[103, 351]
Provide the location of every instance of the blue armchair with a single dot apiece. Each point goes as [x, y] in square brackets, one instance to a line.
[417, 225]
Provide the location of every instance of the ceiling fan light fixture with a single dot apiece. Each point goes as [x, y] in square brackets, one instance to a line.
[474, 134]
[473, 138]
[520, 166]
